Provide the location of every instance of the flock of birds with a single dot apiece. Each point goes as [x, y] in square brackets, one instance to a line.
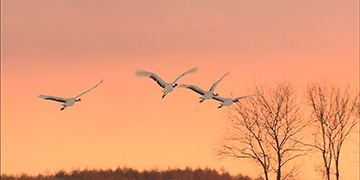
[167, 88]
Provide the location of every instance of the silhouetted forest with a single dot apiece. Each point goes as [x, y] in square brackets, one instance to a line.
[133, 174]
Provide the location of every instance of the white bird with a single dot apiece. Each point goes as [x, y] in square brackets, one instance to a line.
[168, 87]
[205, 94]
[67, 101]
[230, 101]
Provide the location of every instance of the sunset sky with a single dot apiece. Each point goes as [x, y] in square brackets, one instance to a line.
[64, 47]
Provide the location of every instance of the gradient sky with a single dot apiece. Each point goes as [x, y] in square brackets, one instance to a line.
[63, 47]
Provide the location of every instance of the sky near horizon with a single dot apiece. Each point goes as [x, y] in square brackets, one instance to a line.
[64, 47]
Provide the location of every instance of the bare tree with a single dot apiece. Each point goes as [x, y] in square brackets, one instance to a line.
[334, 113]
[266, 129]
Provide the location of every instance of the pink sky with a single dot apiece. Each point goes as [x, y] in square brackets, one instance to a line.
[64, 47]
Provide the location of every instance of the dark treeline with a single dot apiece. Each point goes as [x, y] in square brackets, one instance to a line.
[133, 174]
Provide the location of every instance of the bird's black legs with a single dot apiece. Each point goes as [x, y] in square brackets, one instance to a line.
[201, 100]
[64, 106]
[165, 93]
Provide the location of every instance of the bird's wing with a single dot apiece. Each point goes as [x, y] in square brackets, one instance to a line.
[153, 76]
[218, 98]
[53, 98]
[217, 82]
[194, 88]
[183, 74]
[89, 89]
[242, 97]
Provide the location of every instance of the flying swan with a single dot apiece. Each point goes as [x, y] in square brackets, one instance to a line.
[230, 101]
[205, 94]
[168, 87]
[67, 101]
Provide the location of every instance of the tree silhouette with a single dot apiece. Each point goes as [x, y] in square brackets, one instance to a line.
[266, 129]
[335, 113]
[133, 174]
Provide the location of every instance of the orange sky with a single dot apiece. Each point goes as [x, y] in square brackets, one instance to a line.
[64, 47]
